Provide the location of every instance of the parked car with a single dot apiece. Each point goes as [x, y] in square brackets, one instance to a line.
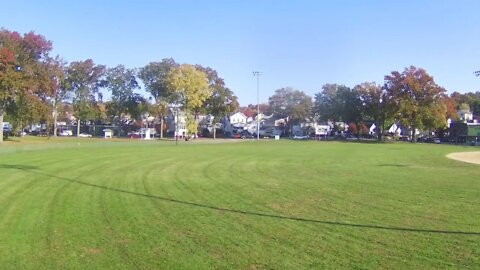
[134, 135]
[236, 135]
[246, 135]
[436, 140]
[66, 133]
[85, 135]
[301, 137]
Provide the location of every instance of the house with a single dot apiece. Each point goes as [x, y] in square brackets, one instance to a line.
[147, 133]
[297, 130]
[206, 122]
[322, 130]
[465, 116]
[281, 122]
[234, 123]
[177, 123]
[238, 118]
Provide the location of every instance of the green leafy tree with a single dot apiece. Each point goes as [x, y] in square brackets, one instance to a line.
[351, 108]
[160, 109]
[25, 81]
[189, 87]
[85, 79]
[418, 99]
[435, 115]
[154, 77]
[376, 105]
[61, 92]
[122, 83]
[470, 98]
[292, 104]
[222, 101]
[464, 107]
[328, 103]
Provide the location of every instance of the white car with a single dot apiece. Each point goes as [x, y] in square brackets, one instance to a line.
[66, 133]
[85, 135]
[299, 137]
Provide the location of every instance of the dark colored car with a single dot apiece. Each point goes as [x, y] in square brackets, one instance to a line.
[134, 135]
[236, 136]
[246, 135]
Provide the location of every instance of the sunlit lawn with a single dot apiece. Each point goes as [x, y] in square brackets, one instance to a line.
[72, 203]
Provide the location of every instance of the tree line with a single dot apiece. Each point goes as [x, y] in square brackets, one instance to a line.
[411, 98]
[34, 86]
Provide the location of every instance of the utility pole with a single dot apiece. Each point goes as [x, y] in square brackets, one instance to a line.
[258, 74]
[55, 112]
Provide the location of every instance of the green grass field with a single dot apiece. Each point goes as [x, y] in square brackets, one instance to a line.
[92, 204]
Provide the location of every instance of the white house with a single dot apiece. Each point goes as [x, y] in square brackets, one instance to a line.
[322, 130]
[238, 118]
[235, 122]
[465, 115]
[281, 122]
[147, 133]
[177, 123]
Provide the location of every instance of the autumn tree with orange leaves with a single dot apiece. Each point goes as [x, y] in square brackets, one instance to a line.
[26, 80]
[418, 99]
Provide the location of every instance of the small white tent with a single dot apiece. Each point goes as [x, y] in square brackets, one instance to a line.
[395, 129]
[372, 129]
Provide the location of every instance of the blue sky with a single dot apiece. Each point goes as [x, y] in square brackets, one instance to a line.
[303, 44]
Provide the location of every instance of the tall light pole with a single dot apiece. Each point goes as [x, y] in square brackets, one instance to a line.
[174, 110]
[258, 74]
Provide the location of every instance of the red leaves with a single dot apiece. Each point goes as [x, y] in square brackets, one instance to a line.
[15, 36]
[7, 56]
[36, 44]
[362, 129]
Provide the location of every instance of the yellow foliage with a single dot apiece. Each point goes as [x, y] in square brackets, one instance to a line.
[189, 85]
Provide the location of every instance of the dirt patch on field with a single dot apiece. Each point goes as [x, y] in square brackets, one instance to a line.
[92, 251]
[470, 157]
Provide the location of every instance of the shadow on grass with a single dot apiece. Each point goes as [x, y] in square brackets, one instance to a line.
[392, 165]
[364, 141]
[10, 139]
[35, 170]
[18, 167]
